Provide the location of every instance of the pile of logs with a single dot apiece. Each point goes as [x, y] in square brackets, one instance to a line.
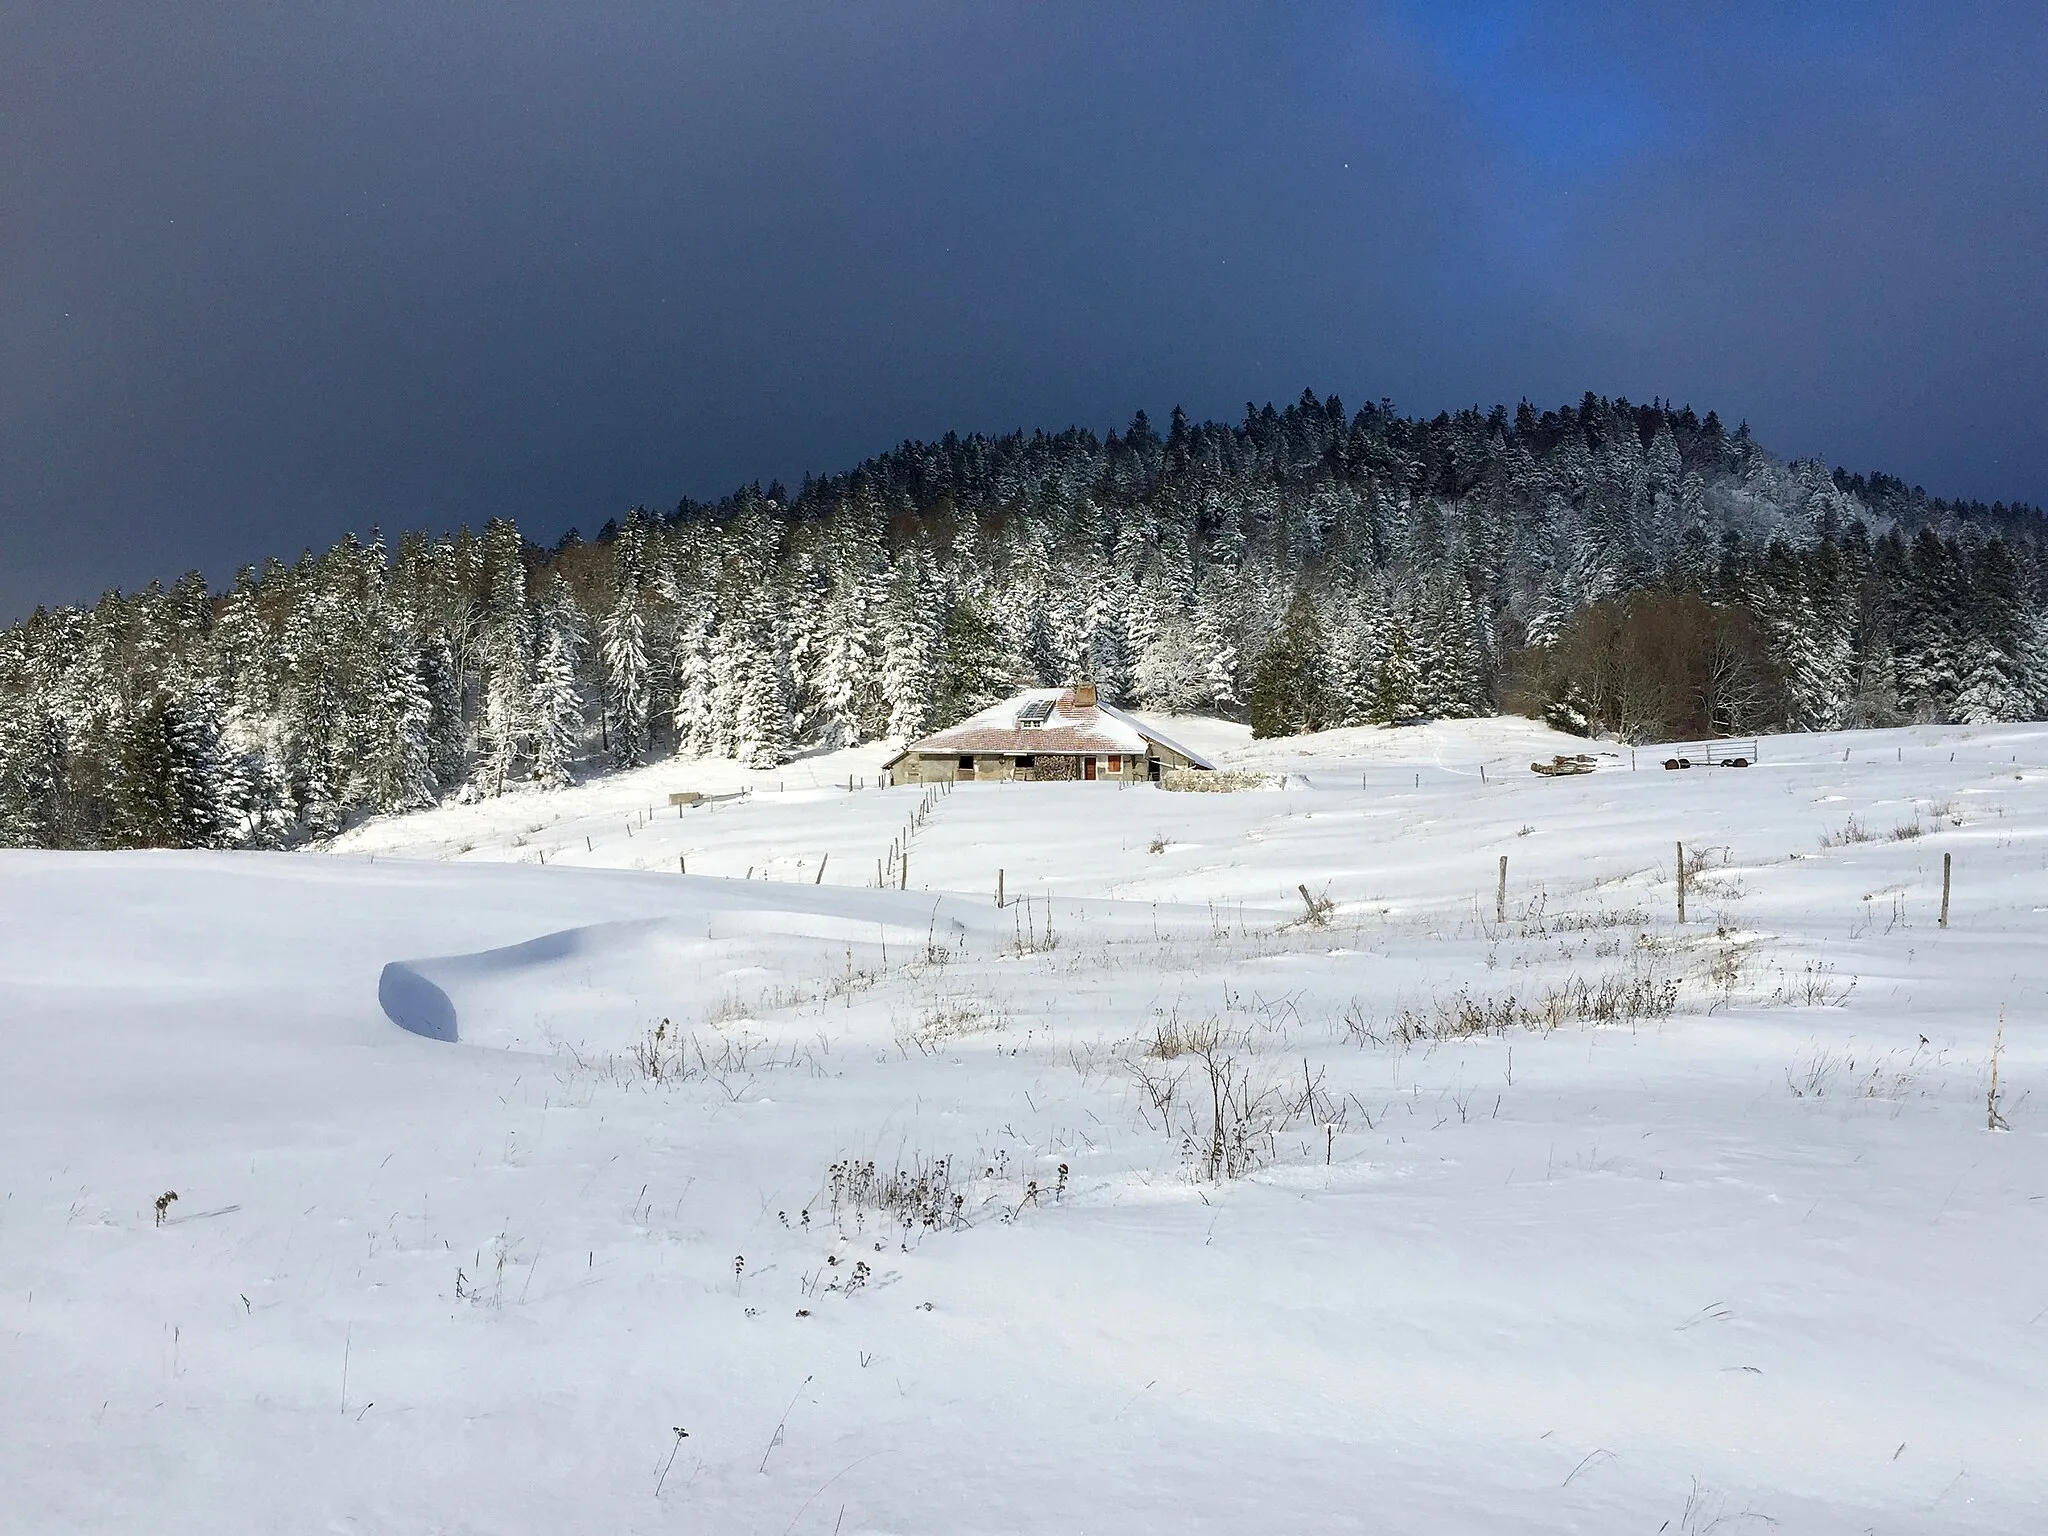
[1561, 766]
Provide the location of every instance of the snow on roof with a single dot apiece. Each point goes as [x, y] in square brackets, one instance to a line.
[1157, 737]
[1068, 728]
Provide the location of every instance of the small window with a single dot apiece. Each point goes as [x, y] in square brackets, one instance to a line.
[1116, 764]
[966, 761]
[1027, 761]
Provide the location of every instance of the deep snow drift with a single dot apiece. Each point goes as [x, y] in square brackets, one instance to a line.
[914, 1212]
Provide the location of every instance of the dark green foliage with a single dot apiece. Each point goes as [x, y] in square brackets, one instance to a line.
[977, 668]
[1569, 710]
[170, 787]
[31, 778]
[1288, 691]
[1617, 566]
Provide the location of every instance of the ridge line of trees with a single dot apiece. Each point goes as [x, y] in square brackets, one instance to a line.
[1629, 568]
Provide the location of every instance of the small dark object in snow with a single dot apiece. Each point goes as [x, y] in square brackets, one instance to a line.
[163, 1204]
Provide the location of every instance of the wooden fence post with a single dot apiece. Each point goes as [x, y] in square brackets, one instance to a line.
[827, 859]
[903, 865]
[999, 888]
[1947, 869]
[1500, 894]
[1681, 882]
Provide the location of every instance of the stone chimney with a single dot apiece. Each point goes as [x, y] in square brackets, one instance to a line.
[1084, 695]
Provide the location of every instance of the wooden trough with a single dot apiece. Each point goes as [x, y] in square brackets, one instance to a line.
[683, 799]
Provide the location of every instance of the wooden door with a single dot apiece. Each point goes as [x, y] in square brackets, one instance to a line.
[1087, 767]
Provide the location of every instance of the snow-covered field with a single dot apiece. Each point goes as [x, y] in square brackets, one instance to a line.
[1564, 1219]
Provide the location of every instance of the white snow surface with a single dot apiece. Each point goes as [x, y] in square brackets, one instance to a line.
[461, 1242]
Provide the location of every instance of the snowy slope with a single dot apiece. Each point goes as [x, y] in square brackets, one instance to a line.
[491, 1174]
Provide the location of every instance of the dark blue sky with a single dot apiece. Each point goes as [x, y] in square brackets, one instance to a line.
[272, 272]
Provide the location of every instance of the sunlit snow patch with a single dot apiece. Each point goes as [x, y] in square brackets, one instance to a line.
[603, 987]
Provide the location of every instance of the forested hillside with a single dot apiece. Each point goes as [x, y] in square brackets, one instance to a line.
[1610, 566]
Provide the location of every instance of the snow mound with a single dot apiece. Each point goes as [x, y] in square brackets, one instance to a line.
[738, 947]
[604, 986]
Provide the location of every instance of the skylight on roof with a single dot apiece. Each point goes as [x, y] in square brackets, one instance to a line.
[1034, 713]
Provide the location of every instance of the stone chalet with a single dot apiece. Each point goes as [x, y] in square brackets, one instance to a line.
[1044, 734]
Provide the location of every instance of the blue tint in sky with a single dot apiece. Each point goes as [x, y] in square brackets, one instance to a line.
[271, 273]
[1563, 110]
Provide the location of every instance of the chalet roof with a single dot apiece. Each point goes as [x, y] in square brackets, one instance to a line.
[1070, 727]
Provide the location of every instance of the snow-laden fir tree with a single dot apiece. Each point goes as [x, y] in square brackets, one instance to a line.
[505, 655]
[1467, 562]
[171, 788]
[909, 681]
[628, 688]
[398, 720]
[557, 698]
[849, 692]
[695, 718]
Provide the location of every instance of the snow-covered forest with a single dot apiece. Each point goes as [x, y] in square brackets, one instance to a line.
[1608, 566]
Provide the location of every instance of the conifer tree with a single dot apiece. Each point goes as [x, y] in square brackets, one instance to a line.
[762, 724]
[557, 700]
[1173, 673]
[1444, 566]
[1928, 640]
[1286, 694]
[396, 719]
[1398, 691]
[695, 713]
[627, 685]
[976, 667]
[908, 664]
[31, 771]
[169, 790]
[506, 723]
[442, 680]
[849, 692]
[625, 677]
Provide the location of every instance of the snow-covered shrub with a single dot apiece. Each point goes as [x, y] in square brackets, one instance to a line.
[922, 1197]
[1567, 711]
[1230, 1113]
